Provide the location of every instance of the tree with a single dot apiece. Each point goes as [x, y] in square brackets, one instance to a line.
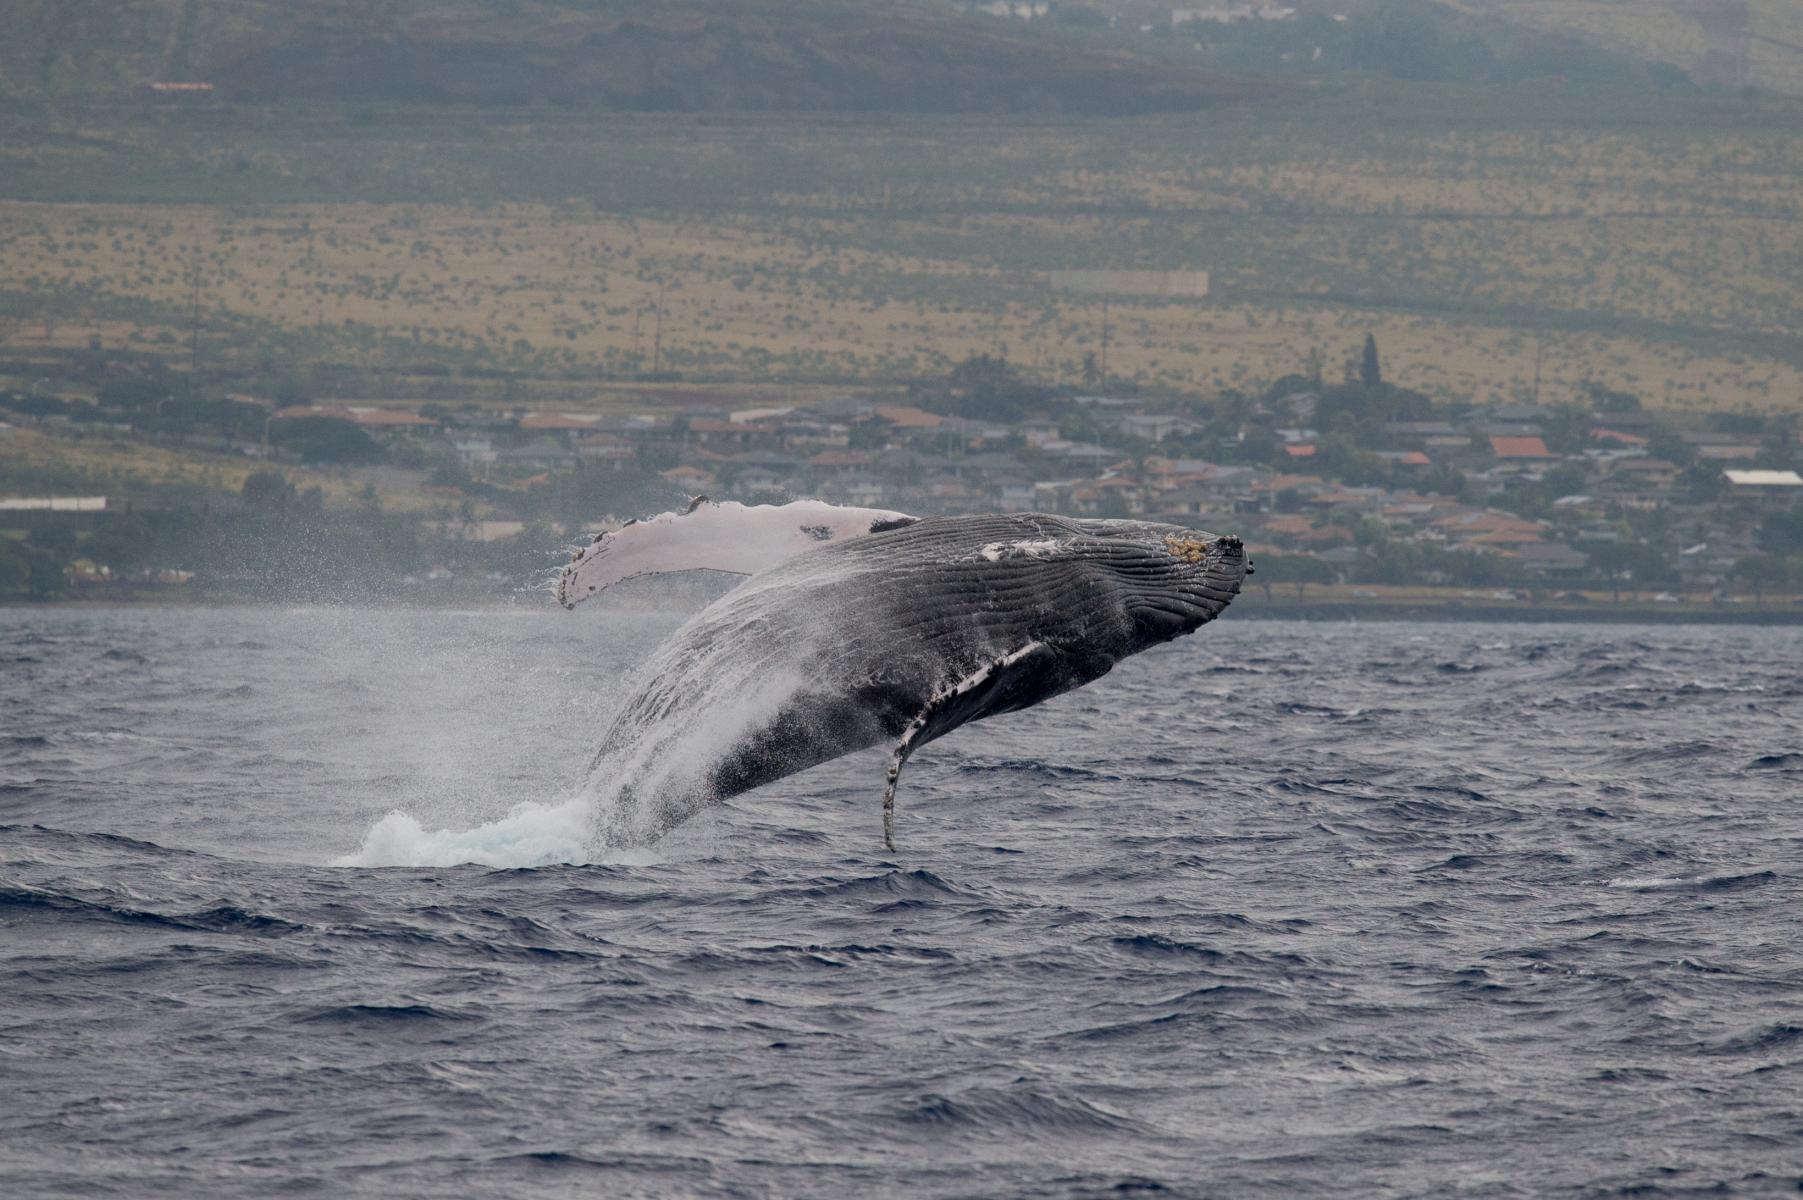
[868, 435]
[55, 540]
[1620, 562]
[1363, 411]
[325, 439]
[986, 388]
[1566, 479]
[1763, 571]
[267, 491]
[1370, 374]
[1665, 442]
[596, 491]
[534, 548]
[15, 566]
[135, 393]
[1299, 569]
[1781, 532]
[43, 573]
[126, 541]
[1607, 399]
[290, 392]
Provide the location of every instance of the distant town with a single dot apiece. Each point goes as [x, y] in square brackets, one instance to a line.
[1354, 490]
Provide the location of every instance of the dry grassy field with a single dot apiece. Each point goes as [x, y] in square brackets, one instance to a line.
[1656, 251]
[116, 465]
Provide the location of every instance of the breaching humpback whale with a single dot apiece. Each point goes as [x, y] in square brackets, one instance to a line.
[868, 627]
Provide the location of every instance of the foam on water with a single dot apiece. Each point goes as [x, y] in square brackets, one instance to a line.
[532, 835]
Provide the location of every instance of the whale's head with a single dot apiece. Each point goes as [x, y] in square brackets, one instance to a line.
[1172, 578]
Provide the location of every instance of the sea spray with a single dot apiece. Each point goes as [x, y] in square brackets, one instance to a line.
[479, 751]
[531, 835]
[607, 820]
[647, 763]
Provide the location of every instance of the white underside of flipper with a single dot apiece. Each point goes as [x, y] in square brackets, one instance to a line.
[729, 537]
[943, 699]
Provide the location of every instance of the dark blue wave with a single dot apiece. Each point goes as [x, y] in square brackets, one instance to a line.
[1292, 909]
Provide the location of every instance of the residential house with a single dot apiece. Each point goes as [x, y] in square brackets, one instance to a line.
[1515, 448]
[1153, 427]
[1550, 558]
[1771, 488]
[1723, 447]
[560, 425]
[908, 419]
[474, 450]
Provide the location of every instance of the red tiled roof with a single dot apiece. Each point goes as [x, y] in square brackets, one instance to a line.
[1519, 447]
[556, 420]
[1279, 483]
[1483, 522]
[904, 416]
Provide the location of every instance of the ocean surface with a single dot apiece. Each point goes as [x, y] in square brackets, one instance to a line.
[1280, 909]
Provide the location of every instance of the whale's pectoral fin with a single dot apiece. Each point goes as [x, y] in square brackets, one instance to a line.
[705, 536]
[984, 692]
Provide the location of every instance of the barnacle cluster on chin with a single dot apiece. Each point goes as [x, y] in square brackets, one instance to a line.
[1190, 550]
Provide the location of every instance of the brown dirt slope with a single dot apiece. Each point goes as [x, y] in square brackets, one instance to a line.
[1727, 43]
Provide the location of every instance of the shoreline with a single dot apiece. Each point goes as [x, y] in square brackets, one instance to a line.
[1248, 605]
[1523, 613]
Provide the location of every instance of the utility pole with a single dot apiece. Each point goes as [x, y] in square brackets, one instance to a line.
[1104, 363]
[194, 325]
[657, 334]
[1539, 347]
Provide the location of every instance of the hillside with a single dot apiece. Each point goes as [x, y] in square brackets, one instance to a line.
[1721, 43]
[827, 192]
[1643, 240]
[693, 57]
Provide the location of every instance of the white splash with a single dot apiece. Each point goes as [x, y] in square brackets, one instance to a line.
[604, 820]
[675, 719]
[532, 835]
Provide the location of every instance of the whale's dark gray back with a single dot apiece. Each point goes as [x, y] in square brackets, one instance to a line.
[845, 646]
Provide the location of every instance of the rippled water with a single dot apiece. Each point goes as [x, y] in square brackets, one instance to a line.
[1278, 909]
